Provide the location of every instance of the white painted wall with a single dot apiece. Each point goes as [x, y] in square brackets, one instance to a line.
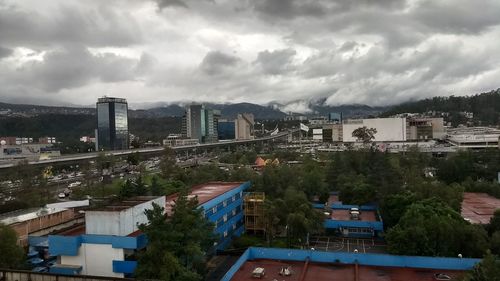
[120, 223]
[96, 259]
[388, 129]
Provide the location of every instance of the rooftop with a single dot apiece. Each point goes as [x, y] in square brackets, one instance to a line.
[28, 214]
[478, 208]
[336, 272]
[125, 204]
[204, 192]
[345, 215]
[308, 265]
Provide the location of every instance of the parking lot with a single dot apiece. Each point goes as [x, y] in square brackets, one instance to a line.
[343, 244]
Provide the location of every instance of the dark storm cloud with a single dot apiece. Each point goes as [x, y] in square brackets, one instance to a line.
[170, 3]
[5, 52]
[99, 26]
[276, 62]
[74, 67]
[457, 17]
[216, 62]
[289, 8]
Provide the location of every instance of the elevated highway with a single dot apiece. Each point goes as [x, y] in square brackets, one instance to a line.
[93, 155]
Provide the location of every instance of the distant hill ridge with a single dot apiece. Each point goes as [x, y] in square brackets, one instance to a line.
[485, 108]
[175, 110]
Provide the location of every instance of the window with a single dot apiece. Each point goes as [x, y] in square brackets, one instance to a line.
[225, 233]
[234, 212]
[224, 203]
[234, 197]
[225, 217]
[234, 226]
[214, 210]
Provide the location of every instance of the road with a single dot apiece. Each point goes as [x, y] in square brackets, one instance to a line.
[92, 155]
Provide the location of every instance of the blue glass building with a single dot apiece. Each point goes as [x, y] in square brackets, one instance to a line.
[226, 130]
[112, 123]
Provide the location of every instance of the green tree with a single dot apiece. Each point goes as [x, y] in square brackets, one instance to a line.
[177, 244]
[431, 228]
[495, 243]
[494, 222]
[364, 134]
[156, 187]
[12, 255]
[394, 206]
[168, 166]
[355, 190]
[127, 189]
[134, 158]
[296, 216]
[487, 270]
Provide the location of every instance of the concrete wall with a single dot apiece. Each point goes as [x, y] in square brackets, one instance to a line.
[120, 223]
[388, 129]
[23, 229]
[96, 259]
[438, 128]
[244, 126]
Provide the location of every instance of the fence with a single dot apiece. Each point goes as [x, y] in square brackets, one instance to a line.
[23, 275]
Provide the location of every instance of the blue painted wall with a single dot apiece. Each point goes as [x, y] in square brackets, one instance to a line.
[60, 245]
[127, 267]
[233, 201]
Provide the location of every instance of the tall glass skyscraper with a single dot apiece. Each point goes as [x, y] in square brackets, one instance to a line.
[112, 123]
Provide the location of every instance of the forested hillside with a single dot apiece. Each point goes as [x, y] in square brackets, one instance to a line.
[485, 108]
[68, 128]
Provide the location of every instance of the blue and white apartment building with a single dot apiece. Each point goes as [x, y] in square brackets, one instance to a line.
[108, 242]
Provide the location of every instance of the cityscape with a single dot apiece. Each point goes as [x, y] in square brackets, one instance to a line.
[249, 140]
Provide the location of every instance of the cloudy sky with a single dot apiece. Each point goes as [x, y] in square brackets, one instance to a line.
[374, 52]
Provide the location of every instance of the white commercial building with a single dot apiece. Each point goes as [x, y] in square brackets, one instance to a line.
[388, 129]
[474, 137]
[244, 126]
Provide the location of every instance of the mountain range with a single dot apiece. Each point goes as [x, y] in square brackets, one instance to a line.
[271, 111]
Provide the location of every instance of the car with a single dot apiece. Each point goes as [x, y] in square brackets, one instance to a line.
[441, 277]
[35, 261]
[61, 195]
[40, 269]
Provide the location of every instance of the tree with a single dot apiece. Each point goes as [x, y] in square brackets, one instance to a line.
[431, 228]
[364, 134]
[12, 255]
[394, 206]
[168, 165]
[296, 215]
[156, 188]
[355, 190]
[495, 243]
[487, 270]
[177, 244]
[495, 222]
[132, 188]
[134, 158]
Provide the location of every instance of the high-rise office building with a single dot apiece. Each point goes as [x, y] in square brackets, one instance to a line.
[244, 126]
[112, 123]
[200, 123]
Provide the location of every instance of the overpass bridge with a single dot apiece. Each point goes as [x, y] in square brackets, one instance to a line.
[151, 150]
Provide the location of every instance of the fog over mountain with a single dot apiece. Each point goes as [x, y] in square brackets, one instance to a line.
[290, 52]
